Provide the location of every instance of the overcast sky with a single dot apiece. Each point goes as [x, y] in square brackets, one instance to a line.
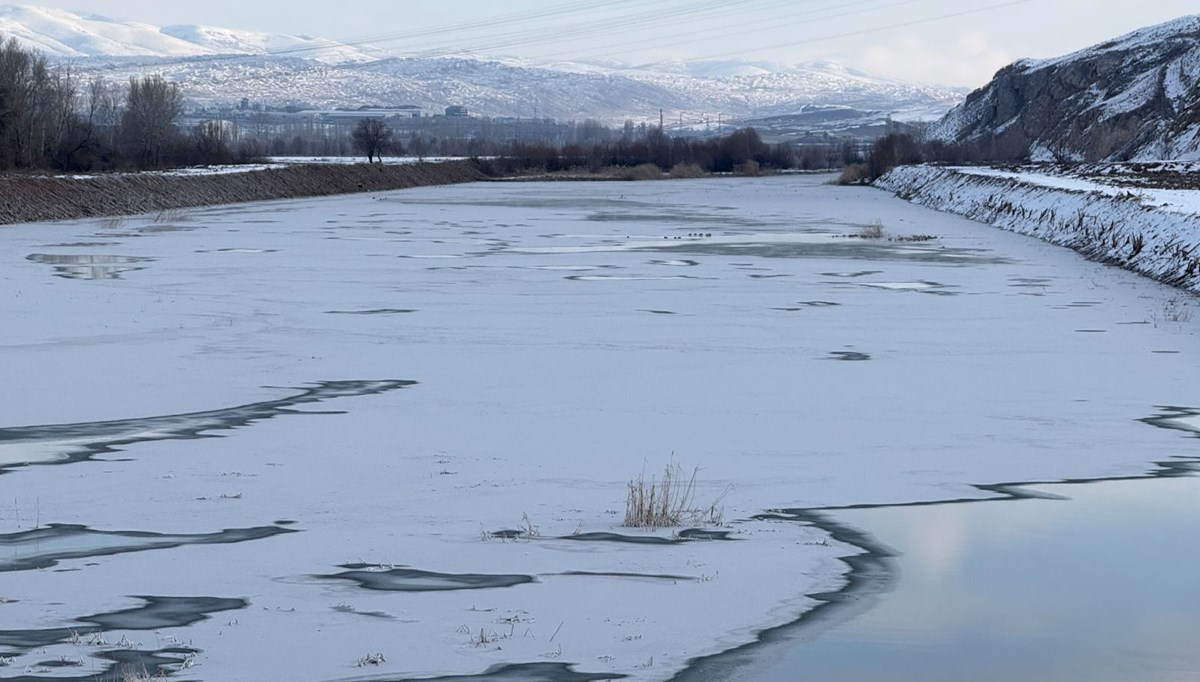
[911, 39]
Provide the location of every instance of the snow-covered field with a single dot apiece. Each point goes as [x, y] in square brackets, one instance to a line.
[218, 412]
[1153, 231]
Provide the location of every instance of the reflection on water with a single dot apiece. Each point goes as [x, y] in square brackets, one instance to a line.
[89, 266]
[1088, 587]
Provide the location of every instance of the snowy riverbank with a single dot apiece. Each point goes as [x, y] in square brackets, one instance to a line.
[33, 198]
[1154, 232]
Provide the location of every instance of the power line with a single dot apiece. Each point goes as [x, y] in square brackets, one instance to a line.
[541, 36]
[750, 27]
[878, 29]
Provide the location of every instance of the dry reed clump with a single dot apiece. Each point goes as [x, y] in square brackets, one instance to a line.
[668, 503]
[131, 675]
[872, 231]
[681, 171]
[750, 169]
[645, 171]
[855, 174]
[172, 215]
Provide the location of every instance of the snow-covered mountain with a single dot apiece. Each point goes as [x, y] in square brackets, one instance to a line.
[219, 67]
[1133, 98]
[59, 33]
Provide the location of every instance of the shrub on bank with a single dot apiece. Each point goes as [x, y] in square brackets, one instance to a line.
[642, 171]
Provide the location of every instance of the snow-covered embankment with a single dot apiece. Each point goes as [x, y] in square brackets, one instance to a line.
[1152, 232]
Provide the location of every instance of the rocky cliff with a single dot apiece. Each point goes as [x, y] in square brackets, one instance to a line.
[1136, 98]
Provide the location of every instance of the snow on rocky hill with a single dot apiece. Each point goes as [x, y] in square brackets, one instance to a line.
[1135, 98]
[219, 67]
[1139, 218]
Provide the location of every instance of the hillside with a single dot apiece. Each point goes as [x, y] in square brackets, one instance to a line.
[218, 67]
[1135, 98]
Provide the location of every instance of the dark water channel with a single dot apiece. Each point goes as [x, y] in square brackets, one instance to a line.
[1095, 582]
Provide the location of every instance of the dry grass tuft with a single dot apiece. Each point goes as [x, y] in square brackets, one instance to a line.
[1176, 310]
[670, 502]
[654, 504]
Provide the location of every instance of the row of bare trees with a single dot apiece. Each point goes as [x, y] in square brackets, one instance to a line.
[715, 155]
[49, 119]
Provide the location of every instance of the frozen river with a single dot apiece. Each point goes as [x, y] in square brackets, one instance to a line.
[389, 437]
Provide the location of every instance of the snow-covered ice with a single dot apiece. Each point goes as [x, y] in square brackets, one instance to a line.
[254, 374]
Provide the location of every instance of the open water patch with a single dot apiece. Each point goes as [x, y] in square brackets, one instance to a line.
[1030, 282]
[66, 443]
[675, 263]
[852, 275]
[631, 278]
[1177, 418]
[920, 286]
[822, 245]
[156, 613]
[94, 267]
[239, 250]
[520, 672]
[375, 311]
[412, 580]
[688, 535]
[124, 664]
[46, 547]
[842, 638]
[849, 356]
[631, 576]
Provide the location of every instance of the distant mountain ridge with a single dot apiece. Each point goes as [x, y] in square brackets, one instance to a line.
[302, 71]
[60, 33]
[1135, 98]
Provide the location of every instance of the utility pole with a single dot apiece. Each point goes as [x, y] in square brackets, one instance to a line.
[719, 116]
[660, 120]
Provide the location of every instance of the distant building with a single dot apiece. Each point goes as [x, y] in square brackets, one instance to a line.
[457, 112]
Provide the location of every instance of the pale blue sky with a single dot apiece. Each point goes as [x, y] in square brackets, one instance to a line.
[911, 42]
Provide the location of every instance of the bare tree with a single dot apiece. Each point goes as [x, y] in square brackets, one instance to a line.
[372, 137]
[152, 106]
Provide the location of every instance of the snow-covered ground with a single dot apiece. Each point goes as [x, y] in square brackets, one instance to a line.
[223, 404]
[1153, 231]
[281, 161]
